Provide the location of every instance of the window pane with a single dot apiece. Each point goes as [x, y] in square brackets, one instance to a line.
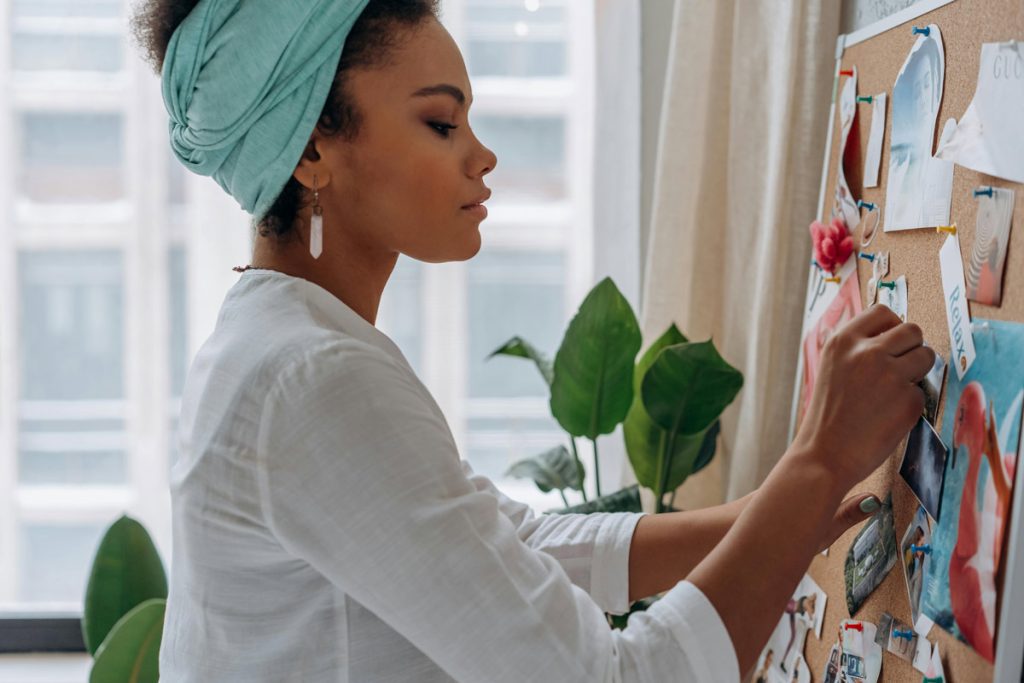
[54, 562]
[71, 426]
[107, 9]
[496, 443]
[71, 157]
[66, 52]
[531, 156]
[516, 38]
[71, 325]
[513, 293]
[401, 310]
[178, 324]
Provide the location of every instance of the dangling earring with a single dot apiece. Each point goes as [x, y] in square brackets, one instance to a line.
[316, 225]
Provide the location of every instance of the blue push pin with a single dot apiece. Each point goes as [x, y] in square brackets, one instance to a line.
[861, 204]
[922, 31]
[984, 191]
[866, 256]
[908, 634]
[926, 549]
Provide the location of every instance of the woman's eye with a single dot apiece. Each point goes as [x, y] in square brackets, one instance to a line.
[442, 129]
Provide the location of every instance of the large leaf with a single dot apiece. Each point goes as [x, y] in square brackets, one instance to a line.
[593, 381]
[642, 436]
[131, 651]
[555, 468]
[126, 571]
[624, 500]
[688, 386]
[520, 348]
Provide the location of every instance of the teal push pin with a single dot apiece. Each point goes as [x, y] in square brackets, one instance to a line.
[861, 204]
[926, 549]
[926, 31]
[984, 191]
[906, 635]
[866, 256]
[866, 98]
[888, 284]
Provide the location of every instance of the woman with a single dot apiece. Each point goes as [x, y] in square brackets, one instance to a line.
[325, 528]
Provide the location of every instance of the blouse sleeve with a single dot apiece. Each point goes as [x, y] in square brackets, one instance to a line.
[593, 549]
[361, 479]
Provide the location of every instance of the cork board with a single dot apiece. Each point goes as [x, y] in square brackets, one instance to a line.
[965, 25]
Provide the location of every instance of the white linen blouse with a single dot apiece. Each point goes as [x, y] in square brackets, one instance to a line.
[325, 529]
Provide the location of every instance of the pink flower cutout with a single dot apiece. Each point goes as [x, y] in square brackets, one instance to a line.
[832, 244]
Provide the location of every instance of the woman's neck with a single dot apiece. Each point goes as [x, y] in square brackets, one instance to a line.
[355, 276]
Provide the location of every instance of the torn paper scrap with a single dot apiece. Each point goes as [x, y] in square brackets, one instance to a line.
[990, 136]
[873, 159]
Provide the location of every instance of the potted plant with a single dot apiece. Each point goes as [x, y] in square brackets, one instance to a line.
[123, 613]
[668, 402]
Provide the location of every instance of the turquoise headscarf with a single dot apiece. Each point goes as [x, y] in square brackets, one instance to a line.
[244, 82]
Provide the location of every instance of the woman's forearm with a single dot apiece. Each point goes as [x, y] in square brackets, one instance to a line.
[752, 573]
[667, 546]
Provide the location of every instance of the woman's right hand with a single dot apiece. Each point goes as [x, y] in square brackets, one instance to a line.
[866, 398]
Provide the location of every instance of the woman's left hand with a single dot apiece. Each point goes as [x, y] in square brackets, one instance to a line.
[850, 512]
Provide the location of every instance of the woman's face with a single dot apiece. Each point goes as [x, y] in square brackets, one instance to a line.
[411, 181]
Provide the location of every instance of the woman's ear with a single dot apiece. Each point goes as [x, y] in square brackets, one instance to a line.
[314, 162]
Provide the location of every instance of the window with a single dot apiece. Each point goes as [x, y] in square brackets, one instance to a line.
[99, 311]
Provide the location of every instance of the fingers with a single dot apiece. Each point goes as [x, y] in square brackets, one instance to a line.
[901, 339]
[874, 321]
[853, 510]
[916, 363]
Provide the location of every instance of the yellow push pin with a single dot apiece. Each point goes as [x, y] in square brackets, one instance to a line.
[836, 279]
[948, 229]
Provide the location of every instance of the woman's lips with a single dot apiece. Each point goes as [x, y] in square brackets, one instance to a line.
[476, 210]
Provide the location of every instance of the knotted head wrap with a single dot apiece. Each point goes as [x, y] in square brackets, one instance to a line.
[244, 82]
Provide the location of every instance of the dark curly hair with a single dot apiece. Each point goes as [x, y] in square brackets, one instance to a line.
[369, 44]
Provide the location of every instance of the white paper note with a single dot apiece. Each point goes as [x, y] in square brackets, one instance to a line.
[922, 654]
[961, 342]
[895, 297]
[990, 136]
[874, 154]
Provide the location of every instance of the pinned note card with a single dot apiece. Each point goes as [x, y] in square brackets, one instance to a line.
[874, 154]
[961, 342]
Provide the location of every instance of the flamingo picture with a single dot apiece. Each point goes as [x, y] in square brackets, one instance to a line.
[984, 504]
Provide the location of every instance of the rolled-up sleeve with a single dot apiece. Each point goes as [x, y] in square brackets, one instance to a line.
[361, 479]
[593, 549]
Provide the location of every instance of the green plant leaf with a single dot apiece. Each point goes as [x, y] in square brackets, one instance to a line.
[688, 386]
[592, 387]
[706, 452]
[643, 437]
[520, 348]
[555, 468]
[131, 651]
[624, 500]
[126, 571]
[619, 621]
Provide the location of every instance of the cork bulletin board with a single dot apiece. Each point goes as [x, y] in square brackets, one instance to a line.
[878, 54]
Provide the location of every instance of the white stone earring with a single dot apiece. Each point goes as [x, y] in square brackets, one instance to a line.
[316, 225]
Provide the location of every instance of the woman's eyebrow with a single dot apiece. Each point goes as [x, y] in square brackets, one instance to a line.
[442, 89]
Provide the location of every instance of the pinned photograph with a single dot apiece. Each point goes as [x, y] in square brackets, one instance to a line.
[932, 386]
[916, 550]
[843, 307]
[988, 254]
[893, 293]
[844, 205]
[919, 186]
[901, 640]
[860, 657]
[982, 427]
[924, 465]
[783, 657]
[872, 555]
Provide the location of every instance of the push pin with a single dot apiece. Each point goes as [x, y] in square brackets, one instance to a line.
[866, 98]
[861, 204]
[926, 549]
[984, 191]
[906, 635]
[835, 278]
[949, 229]
[926, 31]
[866, 256]
[846, 72]
[887, 284]
[855, 626]
[937, 679]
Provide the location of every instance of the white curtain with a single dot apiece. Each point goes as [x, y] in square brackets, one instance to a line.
[741, 139]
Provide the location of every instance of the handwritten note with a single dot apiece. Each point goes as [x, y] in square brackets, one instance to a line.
[961, 342]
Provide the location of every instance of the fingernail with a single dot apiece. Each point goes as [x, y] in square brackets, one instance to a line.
[869, 505]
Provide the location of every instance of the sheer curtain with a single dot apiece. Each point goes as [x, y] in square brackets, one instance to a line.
[741, 138]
